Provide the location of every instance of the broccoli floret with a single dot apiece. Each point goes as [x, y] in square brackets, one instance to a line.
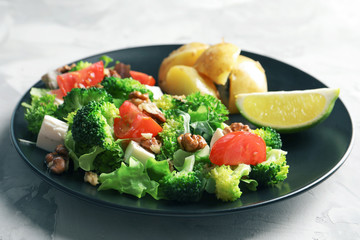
[93, 124]
[273, 170]
[165, 102]
[41, 104]
[204, 107]
[106, 59]
[110, 159]
[80, 65]
[79, 97]
[177, 123]
[100, 159]
[271, 137]
[90, 140]
[227, 181]
[183, 186]
[120, 88]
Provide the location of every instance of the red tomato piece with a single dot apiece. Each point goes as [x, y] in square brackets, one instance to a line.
[238, 147]
[133, 122]
[59, 94]
[143, 78]
[86, 77]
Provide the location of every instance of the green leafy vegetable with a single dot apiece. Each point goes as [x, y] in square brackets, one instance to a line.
[204, 129]
[183, 186]
[41, 104]
[102, 160]
[130, 179]
[271, 137]
[110, 159]
[273, 170]
[200, 105]
[120, 88]
[80, 65]
[93, 124]
[227, 181]
[166, 102]
[177, 123]
[157, 169]
[79, 97]
[106, 60]
[82, 157]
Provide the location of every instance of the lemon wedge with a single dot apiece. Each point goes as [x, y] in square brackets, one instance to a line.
[288, 111]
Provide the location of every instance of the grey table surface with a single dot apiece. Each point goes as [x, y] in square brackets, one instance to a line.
[320, 37]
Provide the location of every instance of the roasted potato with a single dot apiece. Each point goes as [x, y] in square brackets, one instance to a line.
[184, 80]
[217, 61]
[185, 55]
[247, 76]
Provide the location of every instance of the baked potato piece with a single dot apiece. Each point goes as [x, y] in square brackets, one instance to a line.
[184, 80]
[217, 61]
[185, 55]
[247, 76]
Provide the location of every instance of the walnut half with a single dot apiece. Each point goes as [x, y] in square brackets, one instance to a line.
[91, 178]
[152, 145]
[235, 127]
[58, 161]
[191, 143]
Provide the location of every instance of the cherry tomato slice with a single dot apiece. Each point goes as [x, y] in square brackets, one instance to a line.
[59, 94]
[133, 122]
[143, 78]
[238, 147]
[86, 77]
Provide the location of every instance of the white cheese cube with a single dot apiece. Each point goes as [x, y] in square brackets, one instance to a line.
[52, 133]
[156, 91]
[217, 135]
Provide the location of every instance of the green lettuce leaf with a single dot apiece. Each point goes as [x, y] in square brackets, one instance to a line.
[84, 161]
[157, 169]
[130, 179]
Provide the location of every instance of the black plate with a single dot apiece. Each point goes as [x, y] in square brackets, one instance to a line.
[313, 155]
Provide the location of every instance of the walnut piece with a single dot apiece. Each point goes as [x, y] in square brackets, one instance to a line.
[58, 161]
[153, 111]
[235, 127]
[66, 68]
[180, 97]
[191, 143]
[91, 178]
[137, 97]
[111, 73]
[152, 145]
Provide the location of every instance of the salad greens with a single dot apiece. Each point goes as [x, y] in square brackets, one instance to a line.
[41, 104]
[79, 97]
[80, 65]
[96, 120]
[227, 181]
[120, 89]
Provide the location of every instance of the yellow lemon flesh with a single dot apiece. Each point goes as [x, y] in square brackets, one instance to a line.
[288, 111]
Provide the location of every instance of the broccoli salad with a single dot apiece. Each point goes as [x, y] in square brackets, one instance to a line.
[122, 133]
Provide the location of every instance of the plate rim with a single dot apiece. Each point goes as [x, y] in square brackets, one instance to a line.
[162, 212]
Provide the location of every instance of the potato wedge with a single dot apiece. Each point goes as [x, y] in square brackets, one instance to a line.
[184, 80]
[247, 76]
[185, 55]
[217, 61]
